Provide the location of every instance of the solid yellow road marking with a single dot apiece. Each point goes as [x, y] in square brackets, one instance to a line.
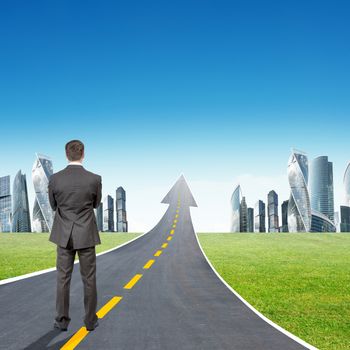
[149, 263]
[169, 238]
[172, 232]
[108, 307]
[76, 339]
[133, 281]
[164, 245]
[177, 215]
[157, 253]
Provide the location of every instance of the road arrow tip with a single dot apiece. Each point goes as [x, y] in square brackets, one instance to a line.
[180, 190]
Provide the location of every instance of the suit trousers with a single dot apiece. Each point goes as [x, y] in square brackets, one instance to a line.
[65, 264]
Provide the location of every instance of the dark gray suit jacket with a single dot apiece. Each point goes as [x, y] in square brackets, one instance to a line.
[74, 193]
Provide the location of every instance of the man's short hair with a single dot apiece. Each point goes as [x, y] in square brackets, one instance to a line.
[74, 150]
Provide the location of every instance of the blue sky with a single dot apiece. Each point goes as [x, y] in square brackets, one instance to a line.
[216, 90]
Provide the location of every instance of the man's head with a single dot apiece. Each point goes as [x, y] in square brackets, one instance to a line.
[75, 151]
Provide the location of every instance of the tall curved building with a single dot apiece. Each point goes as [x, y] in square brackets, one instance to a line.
[20, 215]
[347, 185]
[42, 213]
[235, 209]
[299, 208]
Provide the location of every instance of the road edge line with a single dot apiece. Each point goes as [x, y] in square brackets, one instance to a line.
[50, 269]
[264, 318]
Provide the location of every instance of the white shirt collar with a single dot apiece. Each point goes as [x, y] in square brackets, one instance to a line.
[75, 163]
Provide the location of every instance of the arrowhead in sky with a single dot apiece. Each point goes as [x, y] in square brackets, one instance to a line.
[182, 191]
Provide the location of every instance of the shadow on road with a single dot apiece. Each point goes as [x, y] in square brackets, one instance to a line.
[44, 341]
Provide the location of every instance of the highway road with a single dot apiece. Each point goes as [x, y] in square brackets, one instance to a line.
[157, 292]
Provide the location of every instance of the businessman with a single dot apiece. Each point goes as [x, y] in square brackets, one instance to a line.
[74, 192]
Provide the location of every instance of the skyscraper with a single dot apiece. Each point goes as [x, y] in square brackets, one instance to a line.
[108, 214]
[300, 216]
[284, 211]
[250, 220]
[346, 182]
[345, 218]
[243, 220]
[21, 215]
[42, 212]
[99, 217]
[235, 209]
[5, 204]
[272, 211]
[299, 207]
[321, 186]
[259, 222]
[122, 223]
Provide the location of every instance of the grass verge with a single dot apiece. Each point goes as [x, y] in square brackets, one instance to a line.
[22, 253]
[301, 281]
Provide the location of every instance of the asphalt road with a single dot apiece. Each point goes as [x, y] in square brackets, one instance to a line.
[176, 303]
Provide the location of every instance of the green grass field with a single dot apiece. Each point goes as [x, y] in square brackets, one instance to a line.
[300, 281]
[21, 253]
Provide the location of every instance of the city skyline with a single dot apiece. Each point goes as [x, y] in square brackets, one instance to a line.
[251, 200]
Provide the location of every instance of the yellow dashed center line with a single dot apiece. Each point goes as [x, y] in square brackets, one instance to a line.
[76, 339]
[149, 263]
[177, 210]
[108, 307]
[133, 281]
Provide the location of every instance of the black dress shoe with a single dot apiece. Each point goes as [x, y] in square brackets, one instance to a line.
[57, 326]
[92, 328]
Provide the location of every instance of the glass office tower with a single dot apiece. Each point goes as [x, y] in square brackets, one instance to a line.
[321, 222]
[301, 218]
[344, 218]
[235, 209]
[108, 214]
[42, 212]
[321, 186]
[122, 223]
[299, 207]
[284, 211]
[243, 223]
[250, 220]
[5, 204]
[272, 211]
[21, 215]
[259, 222]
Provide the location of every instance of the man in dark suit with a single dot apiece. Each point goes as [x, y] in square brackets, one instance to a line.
[74, 193]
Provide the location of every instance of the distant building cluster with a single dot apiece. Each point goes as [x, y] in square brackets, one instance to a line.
[15, 213]
[105, 213]
[310, 207]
